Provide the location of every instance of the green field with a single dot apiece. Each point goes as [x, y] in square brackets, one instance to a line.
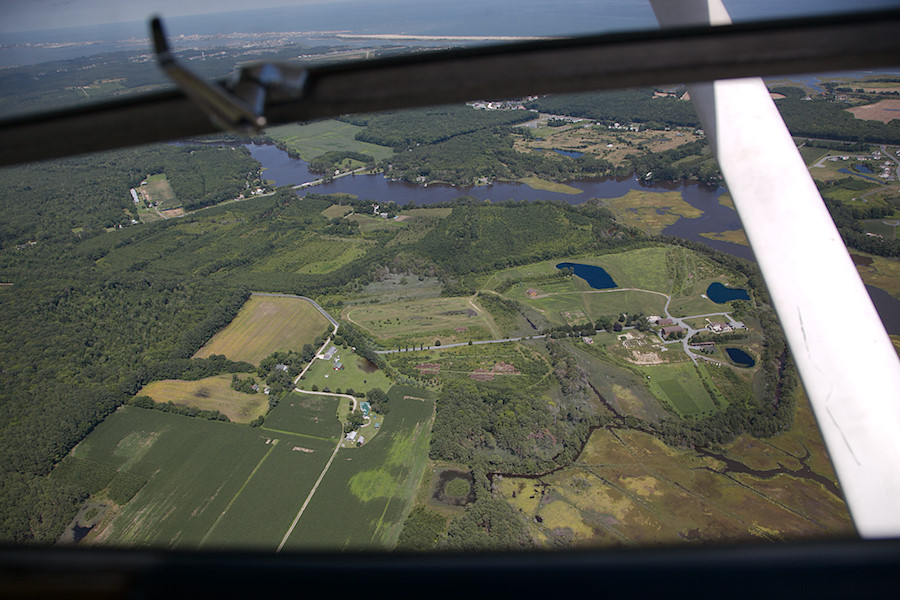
[314, 139]
[352, 376]
[364, 499]
[159, 190]
[195, 470]
[450, 319]
[306, 414]
[317, 254]
[266, 324]
[679, 385]
[218, 485]
[210, 393]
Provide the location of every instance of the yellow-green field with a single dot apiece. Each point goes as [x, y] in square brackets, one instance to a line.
[452, 319]
[628, 488]
[651, 211]
[319, 254]
[210, 393]
[314, 139]
[549, 186]
[264, 325]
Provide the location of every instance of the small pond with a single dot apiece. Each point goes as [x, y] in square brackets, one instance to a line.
[720, 294]
[569, 153]
[740, 358]
[596, 277]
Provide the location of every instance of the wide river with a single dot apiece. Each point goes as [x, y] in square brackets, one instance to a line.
[284, 170]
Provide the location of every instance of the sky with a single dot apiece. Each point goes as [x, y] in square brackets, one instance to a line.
[30, 15]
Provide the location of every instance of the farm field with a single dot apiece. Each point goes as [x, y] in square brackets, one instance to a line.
[266, 324]
[884, 111]
[314, 139]
[679, 385]
[210, 393]
[628, 488]
[307, 415]
[365, 497]
[193, 469]
[357, 374]
[456, 319]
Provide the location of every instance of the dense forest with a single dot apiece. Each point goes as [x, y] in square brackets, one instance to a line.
[622, 106]
[85, 195]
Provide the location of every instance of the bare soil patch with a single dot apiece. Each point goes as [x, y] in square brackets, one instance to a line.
[884, 111]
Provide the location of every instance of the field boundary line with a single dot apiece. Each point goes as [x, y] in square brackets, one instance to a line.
[246, 481]
[309, 498]
[331, 439]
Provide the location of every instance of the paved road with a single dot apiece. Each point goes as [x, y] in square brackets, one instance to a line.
[301, 186]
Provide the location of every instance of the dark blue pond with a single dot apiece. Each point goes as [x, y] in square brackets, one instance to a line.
[720, 294]
[570, 153]
[741, 358]
[849, 172]
[864, 169]
[596, 277]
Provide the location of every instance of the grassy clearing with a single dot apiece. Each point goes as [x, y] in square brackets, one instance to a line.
[450, 319]
[394, 287]
[306, 414]
[266, 324]
[629, 488]
[735, 237]
[680, 386]
[549, 186]
[211, 393]
[315, 255]
[369, 223]
[651, 211]
[883, 227]
[158, 190]
[364, 499]
[352, 376]
[314, 139]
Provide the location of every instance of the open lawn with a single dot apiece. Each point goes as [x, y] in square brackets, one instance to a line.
[157, 189]
[210, 393]
[680, 386]
[448, 319]
[314, 139]
[266, 324]
[367, 493]
[306, 414]
[357, 374]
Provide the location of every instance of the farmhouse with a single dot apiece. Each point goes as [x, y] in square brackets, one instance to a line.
[351, 436]
[665, 322]
[667, 331]
[329, 353]
[719, 327]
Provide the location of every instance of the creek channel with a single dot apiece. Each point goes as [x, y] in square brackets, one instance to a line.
[716, 217]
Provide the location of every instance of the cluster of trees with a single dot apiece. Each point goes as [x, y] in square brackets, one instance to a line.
[825, 118]
[82, 196]
[410, 128]
[622, 106]
[247, 385]
[178, 409]
[327, 162]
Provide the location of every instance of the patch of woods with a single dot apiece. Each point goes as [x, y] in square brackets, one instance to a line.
[91, 193]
